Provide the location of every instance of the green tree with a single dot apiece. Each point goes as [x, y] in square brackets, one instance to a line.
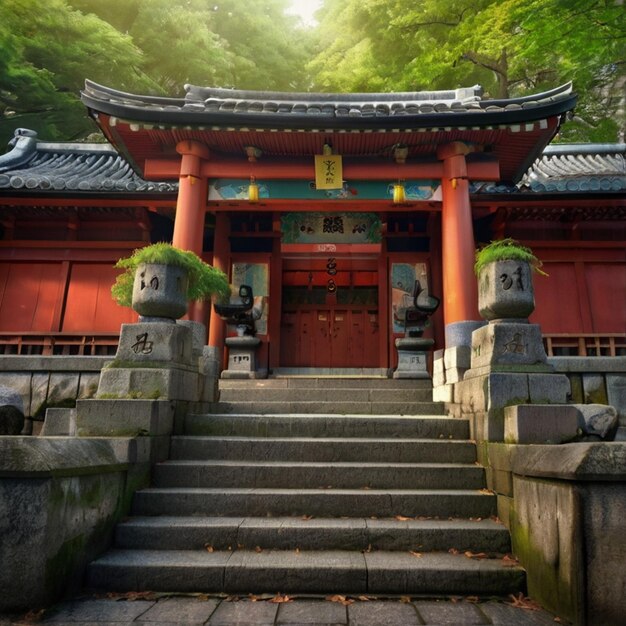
[511, 47]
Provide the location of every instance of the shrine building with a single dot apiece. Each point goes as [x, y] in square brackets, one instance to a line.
[406, 186]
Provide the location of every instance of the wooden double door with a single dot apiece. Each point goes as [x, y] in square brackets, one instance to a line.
[330, 320]
[330, 337]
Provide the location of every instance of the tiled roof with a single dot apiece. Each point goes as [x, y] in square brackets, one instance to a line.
[73, 167]
[578, 167]
[563, 168]
[206, 105]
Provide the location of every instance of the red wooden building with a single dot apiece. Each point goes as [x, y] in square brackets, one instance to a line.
[331, 268]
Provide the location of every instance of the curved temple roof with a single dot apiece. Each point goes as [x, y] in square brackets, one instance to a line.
[70, 167]
[207, 105]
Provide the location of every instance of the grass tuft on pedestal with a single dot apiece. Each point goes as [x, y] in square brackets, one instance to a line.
[205, 280]
[506, 250]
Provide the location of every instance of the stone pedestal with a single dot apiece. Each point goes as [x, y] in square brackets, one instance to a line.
[413, 357]
[242, 358]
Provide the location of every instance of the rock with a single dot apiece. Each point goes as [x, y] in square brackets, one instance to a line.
[11, 411]
[600, 420]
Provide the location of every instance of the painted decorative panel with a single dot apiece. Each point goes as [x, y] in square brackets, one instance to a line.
[305, 228]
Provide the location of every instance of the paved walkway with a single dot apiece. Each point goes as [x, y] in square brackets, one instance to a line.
[146, 609]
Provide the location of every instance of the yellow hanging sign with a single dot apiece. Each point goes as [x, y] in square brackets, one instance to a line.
[328, 171]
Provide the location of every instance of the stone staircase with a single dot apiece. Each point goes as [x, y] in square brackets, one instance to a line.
[316, 485]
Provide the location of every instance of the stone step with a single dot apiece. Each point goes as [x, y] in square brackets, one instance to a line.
[328, 449]
[327, 425]
[304, 533]
[271, 571]
[326, 395]
[274, 502]
[310, 475]
[338, 407]
[327, 382]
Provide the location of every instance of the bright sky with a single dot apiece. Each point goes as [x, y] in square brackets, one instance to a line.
[305, 9]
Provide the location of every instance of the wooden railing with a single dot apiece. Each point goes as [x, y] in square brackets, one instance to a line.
[591, 344]
[49, 344]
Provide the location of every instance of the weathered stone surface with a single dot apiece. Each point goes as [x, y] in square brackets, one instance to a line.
[443, 393]
[443, 613]
[59, 422]
[245, 612]
[455, 374]
[173, 383]
[594, 389]
[546, 538]
[312, 612]
[548, 388]
[198, 335]
[412, 357]
[158, 342]
[574, 461]
[540, 423]
[18, 383]
[39, 394]
[180, 610]
[124, 418]
[88, 385]
[160, 290]
[99, 611]
[605, 552]
[505, 290]
[379, 613]
[62, 388]
[597, 420]
[458, 356]
[508, 344]
[460, 333]
[11, 411]
[616, 393]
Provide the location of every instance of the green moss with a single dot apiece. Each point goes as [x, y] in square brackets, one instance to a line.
[544, 581]
[505, 250]
[204, 280]
[68, 403]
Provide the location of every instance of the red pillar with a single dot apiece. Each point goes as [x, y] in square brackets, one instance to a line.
[460, 293]
[191, 208]
[192, 197]
[221, 252]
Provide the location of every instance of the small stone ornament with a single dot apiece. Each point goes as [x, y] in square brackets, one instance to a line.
[160, 291]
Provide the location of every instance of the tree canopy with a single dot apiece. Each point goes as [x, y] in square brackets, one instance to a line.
[510, 47]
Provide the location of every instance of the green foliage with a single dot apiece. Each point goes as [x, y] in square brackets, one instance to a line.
[505, 250]
[204, 280]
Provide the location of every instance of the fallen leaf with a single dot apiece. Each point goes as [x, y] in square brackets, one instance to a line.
[278, 599]
[369, 548]
[34, 615]
[405, 599]
[341, 599]
[240, 546]
[520, 601]
[231, 599]
[297, 550]
[401, 518]
[131, 596]
[416, 554]
[472, 599]
[558, 620]
[373, 517]
[230, 548]
[364, 599]
[258, 549]
[423, 518]
[253, 598]
[202, 597]
[475, 555]
[306, 518]
[454, 599]
[453, 551]
[495, 518]
[487, 492]
[510, 560]
[476, 519]
[208, 547]
[366, 487]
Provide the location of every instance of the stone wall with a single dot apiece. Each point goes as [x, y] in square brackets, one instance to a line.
[59, 501]
[565, 507]
[55, 381]
[593, 380]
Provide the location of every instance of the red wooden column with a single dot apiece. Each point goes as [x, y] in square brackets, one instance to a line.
[221, 252]
[192, 197]
[460, 293]
[191, 208]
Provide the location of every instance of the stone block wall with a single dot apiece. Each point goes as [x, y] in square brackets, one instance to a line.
[60, 499]
[45, 382]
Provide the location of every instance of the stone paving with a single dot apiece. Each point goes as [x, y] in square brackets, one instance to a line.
[147, 609]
